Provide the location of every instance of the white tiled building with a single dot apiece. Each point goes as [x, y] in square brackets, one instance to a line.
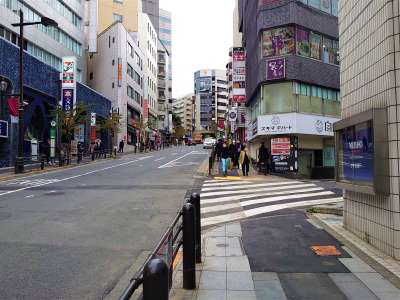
[369, 51]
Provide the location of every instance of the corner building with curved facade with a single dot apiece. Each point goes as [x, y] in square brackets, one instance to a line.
[292, 82]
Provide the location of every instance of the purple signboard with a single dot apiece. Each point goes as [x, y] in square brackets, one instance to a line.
[68, 100]
[276, 68]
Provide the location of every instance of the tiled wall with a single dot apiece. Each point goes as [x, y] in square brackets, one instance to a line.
[370, 77]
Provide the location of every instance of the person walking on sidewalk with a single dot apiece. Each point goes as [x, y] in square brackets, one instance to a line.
[218, 149]
[263, 157]
[224, 159]
[121, 146]
[244, 160]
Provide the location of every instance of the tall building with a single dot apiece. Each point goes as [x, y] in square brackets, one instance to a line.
[184, 108]
[151, 8]
[45, 48]
[110, 11]
[292, 85]
[165, 36]
[368, 137]
[148, 42]
[117, 71]
[211, 92]
[164, 95]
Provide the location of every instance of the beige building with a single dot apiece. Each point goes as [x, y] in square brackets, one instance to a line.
[369, 51]
[110, 11]
[184, 108]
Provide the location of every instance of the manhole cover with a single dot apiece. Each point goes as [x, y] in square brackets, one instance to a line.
[326, 250]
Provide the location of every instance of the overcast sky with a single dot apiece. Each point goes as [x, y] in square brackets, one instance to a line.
[201, 38]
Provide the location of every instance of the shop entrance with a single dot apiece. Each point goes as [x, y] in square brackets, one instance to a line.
[306, 162]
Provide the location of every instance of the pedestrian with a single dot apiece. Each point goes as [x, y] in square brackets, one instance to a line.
[218, 149]
[263, 157]
[224, 159]
[244, 160]
[121, 146]
[237, 153]
[232, 154]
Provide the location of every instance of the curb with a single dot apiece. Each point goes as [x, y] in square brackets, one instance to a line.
[366, 257]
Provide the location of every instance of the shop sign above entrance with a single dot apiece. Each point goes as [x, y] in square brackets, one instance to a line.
[295, 123]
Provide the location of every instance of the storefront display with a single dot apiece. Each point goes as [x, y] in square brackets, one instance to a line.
[279, 41]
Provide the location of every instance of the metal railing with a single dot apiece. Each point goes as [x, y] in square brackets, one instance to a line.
[155, 275]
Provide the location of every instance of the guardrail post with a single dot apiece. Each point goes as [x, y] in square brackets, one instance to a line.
[155, 280]
[189, 251]
[210, 165]
[195, 201]
[92, 155]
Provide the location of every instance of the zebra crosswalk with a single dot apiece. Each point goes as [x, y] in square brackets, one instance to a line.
[227, 200]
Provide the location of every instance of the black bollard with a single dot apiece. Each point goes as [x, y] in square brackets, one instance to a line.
[195, 201]
[210, 165]
[155, 280]
[189, 251]
[92, 155]
[42, 162]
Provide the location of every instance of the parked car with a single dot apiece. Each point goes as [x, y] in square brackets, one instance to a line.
[209, 143]
[191, 142]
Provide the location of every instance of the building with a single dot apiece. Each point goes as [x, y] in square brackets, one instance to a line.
[45, 48]
[165, 37]
[148, 42]
[110, 11]
[211, 92]
[151, 8]
[292, 86]
[184, 108]
[368, 137]
[117, 72]
[164, 95]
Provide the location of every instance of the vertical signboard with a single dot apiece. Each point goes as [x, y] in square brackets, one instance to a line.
[238, 75]
[3, 129]
[119, 71]
[93, 134]
[146, 109]
[68, 83]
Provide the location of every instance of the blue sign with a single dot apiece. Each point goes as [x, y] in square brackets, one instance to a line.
[358, 153]
[3, 129]
[68, 100]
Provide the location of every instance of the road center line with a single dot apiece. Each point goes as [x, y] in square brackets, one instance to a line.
[172, 161]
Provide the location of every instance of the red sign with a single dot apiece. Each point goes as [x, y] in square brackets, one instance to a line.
[221, 123]
[146, 109]
[239, 98]
[13, 105]
[280, 146]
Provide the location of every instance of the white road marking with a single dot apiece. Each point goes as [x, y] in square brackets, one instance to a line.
[176, 159]
[249, 196]
[160, 159]
[209, 209]
[30, 196]
[71, 177]
[272, 188]
[225, 183]
[262, 210]
[245, 186]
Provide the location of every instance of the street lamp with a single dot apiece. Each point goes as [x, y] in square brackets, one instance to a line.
[19, 162]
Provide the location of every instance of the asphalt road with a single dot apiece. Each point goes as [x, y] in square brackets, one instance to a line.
[72, 234]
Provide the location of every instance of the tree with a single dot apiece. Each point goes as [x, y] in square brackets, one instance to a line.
[67, 122]
[213, 127]
[113, 124]
[179, 132]
[176, 120]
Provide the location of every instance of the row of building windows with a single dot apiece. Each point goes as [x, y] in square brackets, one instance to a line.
[36, 51]
[151, 67]
[132, 53]
[55, 33]
[66, 12]
[133, 94]
[134, 75]
[151, 84]
[152, 33]
[165, 19]
[328, 6]
[315, 91]
[165, 30]
[57, 5]
[294, 40]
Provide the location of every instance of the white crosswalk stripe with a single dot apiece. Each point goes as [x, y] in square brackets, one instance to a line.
[31, 182]
[225, 201]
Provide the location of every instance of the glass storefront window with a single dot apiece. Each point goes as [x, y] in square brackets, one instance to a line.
[326, 6]
[303, 42]
[335, 9]
[278, 98]
[315, 3]
[279, 41]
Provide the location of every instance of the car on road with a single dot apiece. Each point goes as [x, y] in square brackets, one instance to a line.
[191, 142]
[209, 143]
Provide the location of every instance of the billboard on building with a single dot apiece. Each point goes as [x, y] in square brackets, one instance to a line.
[238, 75]
[276, 68]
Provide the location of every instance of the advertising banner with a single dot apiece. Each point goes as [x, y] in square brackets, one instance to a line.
[239, 75]
[145, 109]
[280, 146]
[358, 153]
[276, 68]
[221, 124]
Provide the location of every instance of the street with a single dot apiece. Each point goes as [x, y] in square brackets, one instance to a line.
[72, 234]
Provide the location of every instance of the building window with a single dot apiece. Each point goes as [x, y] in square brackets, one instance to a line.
[118, 18]
[328, 6]
[315, 44]
[119, 1]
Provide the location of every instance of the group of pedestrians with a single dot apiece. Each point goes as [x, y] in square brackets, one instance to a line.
[233, 155]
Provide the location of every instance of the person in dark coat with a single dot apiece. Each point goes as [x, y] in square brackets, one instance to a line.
[218, 149]
[263, 157]
[224, 158]
[121, 146]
